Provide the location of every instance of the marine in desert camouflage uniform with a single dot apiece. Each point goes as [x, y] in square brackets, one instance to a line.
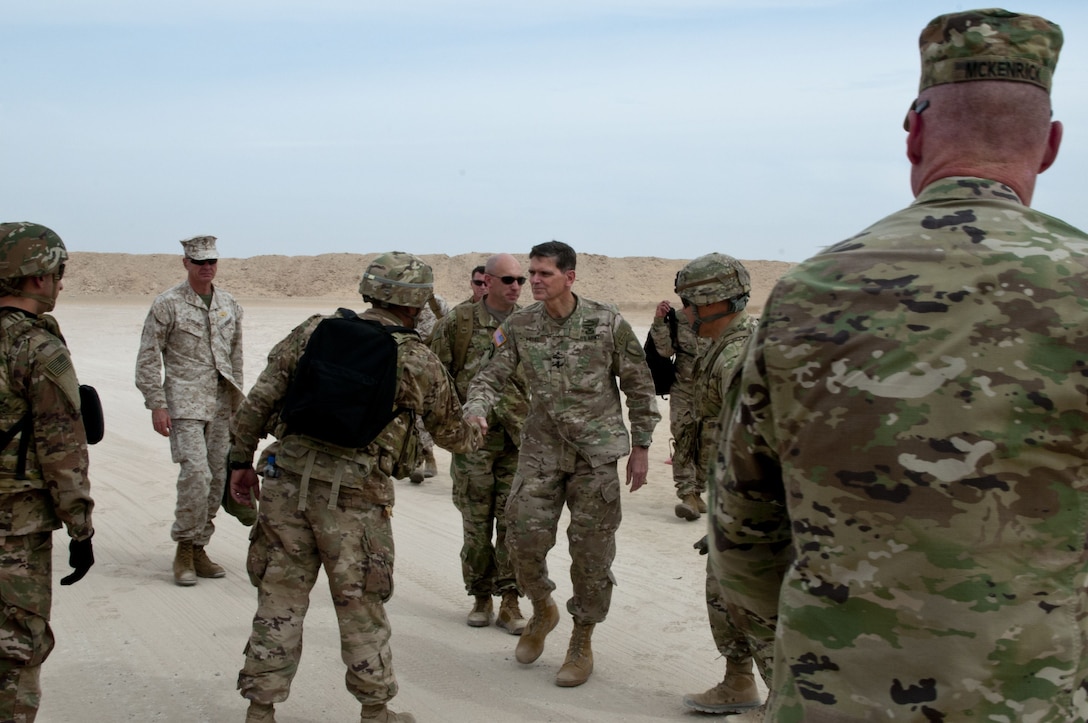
[690, 482]
[715, 289]
[906, 473]
[43, 460]
[482, 479]
[572, 351]
[189, 370]
[331, 506]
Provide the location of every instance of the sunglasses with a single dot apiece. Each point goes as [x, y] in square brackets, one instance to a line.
[59, 273]
[508, 280]
[478, 282]
[201, 262]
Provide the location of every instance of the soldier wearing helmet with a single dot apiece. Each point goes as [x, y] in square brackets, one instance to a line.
[189, 370]
[43, 459]
[324, 502]
[714, 290]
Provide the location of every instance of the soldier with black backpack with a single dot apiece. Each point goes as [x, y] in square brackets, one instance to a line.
[341, 394]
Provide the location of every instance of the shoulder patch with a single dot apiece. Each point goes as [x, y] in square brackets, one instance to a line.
[499, 338]
[58, 365]
[59, 369]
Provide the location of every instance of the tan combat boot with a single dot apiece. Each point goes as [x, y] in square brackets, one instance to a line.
[184, 574]
[203, 565]
[545, 618]
[510, 618]
[700, 503]
[480, 616]
[260, 713]
[688, 507]
[736, 693]
[378, 713]
[579, 662]
[430, 467]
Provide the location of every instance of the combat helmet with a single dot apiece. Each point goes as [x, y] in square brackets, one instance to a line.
[398, 278]
[714, 277]
[29, 249]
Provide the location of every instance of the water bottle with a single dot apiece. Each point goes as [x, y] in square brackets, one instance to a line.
[270, 468]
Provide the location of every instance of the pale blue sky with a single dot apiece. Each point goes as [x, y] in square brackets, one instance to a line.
[762, 129]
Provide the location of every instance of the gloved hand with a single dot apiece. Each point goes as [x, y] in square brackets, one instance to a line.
[702, 546]
[80, 558]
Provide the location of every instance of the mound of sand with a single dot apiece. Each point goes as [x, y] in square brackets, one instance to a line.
[632, 281]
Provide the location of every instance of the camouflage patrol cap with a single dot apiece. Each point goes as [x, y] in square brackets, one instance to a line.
[398, 278]
[713, 277]
[200, 248]
[990, 44]
[29, 249]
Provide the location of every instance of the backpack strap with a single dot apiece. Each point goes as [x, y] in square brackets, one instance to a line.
[464, 316]
[435, 307]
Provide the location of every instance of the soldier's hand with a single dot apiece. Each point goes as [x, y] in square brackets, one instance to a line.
[702, 546]
[663, 308]
[638, 465]
[80, 559]
[160, 420]
[245, 487]
[480, 422]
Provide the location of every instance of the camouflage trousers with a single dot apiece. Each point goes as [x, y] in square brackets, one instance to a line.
[548, 478]
[354, 543]
[26, 592]
[685, 476]
[481, 486]
[730, 640]
[200, 447]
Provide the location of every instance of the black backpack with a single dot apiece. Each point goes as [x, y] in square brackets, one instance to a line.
[662, 368]
[346, 381]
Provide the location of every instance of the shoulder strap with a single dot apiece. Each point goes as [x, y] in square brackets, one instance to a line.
[464, 315]
[435, 307]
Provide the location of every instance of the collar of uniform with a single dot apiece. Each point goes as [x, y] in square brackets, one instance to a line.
[967, 188]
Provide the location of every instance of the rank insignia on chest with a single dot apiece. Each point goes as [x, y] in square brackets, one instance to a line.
[498, 337]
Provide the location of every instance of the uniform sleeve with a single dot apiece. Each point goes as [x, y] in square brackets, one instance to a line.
[157, 326]
[629, 364]
[59, 438]
[251, 420]
[662, 337]
[750, 527]
[486, 388]
[236, 359]
[441, 413]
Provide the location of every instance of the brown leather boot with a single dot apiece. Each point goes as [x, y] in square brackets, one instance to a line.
[701, 505]
[545, 618]
[203, 566]
[579, 663]
[736, 693]
[379, 713]
[480, 615]
[510, 618]
[260, 713]
[688, 507]
[184, 574]
[430, 467]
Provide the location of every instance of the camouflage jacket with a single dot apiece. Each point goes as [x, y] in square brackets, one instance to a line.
[572, 366]
[691, 346]
[428, 317]
[423, 387]
[904, 480]
[710, 382]
[197, 345]
[38, 383]
[462, 341]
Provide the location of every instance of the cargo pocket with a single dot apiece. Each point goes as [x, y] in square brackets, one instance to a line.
[378, 575]
[257, 557]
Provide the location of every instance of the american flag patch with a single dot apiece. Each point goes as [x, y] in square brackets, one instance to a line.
[498, 337]
[58, 365]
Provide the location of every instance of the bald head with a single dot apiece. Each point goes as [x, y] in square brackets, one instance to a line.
[502, 296]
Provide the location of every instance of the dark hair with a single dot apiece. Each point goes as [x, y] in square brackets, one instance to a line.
[565, 258]
[477, 270]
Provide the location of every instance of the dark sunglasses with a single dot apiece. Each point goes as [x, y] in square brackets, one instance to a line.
[201, 262]
[508, 280]
[59, 273]
[478, 282]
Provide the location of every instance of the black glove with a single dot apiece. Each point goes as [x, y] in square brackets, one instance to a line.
[702, 546]
[80, 559]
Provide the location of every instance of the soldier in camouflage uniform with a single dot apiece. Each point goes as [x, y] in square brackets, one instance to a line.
[332, 505]
[689, 481]
[436, 309]
[477, 284]
[189, 369]
[43, 460]
[905, 476]
[715, 289]
[572, 350]
[481, 479]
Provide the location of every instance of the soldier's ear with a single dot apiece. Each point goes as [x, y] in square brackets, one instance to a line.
[1053, 142]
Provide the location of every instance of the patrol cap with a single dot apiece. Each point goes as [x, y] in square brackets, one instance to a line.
[199, 248]
[989, 44]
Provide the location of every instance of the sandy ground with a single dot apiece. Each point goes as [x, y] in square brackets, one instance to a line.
[133, 646]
